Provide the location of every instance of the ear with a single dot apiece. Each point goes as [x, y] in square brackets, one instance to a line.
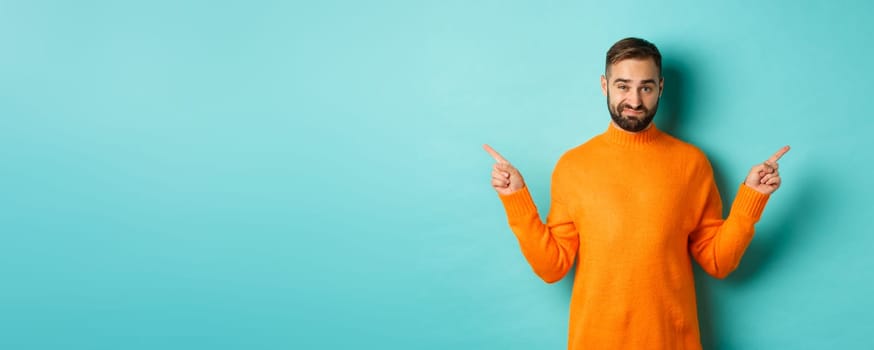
[604, 85]
[661, 86]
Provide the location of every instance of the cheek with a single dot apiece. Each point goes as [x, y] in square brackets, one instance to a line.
[652, 99]
[615, 98]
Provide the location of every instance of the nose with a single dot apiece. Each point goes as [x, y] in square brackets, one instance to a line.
[634, 99]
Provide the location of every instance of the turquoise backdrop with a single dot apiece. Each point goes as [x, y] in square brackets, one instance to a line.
[308, 175]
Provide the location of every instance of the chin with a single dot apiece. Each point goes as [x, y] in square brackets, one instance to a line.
[636, 125]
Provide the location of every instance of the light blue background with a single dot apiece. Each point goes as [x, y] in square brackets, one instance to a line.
[278, 175]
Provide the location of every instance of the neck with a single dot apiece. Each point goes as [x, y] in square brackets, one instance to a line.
[617, 135]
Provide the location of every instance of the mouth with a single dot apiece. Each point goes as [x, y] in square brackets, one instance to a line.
[632, 111]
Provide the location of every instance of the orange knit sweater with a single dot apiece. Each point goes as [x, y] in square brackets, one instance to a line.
[633, 208]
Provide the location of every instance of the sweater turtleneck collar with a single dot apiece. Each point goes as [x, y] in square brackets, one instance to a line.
[616, 135]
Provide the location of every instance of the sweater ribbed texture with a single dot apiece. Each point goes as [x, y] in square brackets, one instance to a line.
[634, 209]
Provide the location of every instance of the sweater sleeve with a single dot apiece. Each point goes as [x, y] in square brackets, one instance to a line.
[716, 244]
[549, 248]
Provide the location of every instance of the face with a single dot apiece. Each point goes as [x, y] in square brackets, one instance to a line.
[633, 88]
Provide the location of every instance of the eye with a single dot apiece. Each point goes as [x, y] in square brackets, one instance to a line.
[622, 87]
[647, 89]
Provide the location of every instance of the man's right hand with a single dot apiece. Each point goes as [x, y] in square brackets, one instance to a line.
[506, 179]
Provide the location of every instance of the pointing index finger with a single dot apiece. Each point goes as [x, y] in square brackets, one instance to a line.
[779, 154]
[495, 154]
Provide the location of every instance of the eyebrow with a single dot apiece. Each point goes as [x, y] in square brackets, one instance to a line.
[642, 82]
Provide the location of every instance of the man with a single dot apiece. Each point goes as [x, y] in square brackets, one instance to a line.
[632, 204]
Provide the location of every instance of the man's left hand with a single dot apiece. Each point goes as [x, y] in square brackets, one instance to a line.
[765, 177]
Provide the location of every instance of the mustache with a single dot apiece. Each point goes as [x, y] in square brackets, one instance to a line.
[624, 106]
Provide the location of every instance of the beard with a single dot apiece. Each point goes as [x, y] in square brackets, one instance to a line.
[632, 123]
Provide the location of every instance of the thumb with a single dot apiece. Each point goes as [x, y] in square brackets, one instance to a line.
[506, 167]
[756, 174]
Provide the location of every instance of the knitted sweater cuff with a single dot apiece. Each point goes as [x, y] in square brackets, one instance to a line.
[519, 203]
[749, 203]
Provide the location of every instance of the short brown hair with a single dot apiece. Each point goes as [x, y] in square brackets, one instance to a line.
[635, 48]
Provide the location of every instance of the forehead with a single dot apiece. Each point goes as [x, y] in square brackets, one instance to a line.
[634, 69]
